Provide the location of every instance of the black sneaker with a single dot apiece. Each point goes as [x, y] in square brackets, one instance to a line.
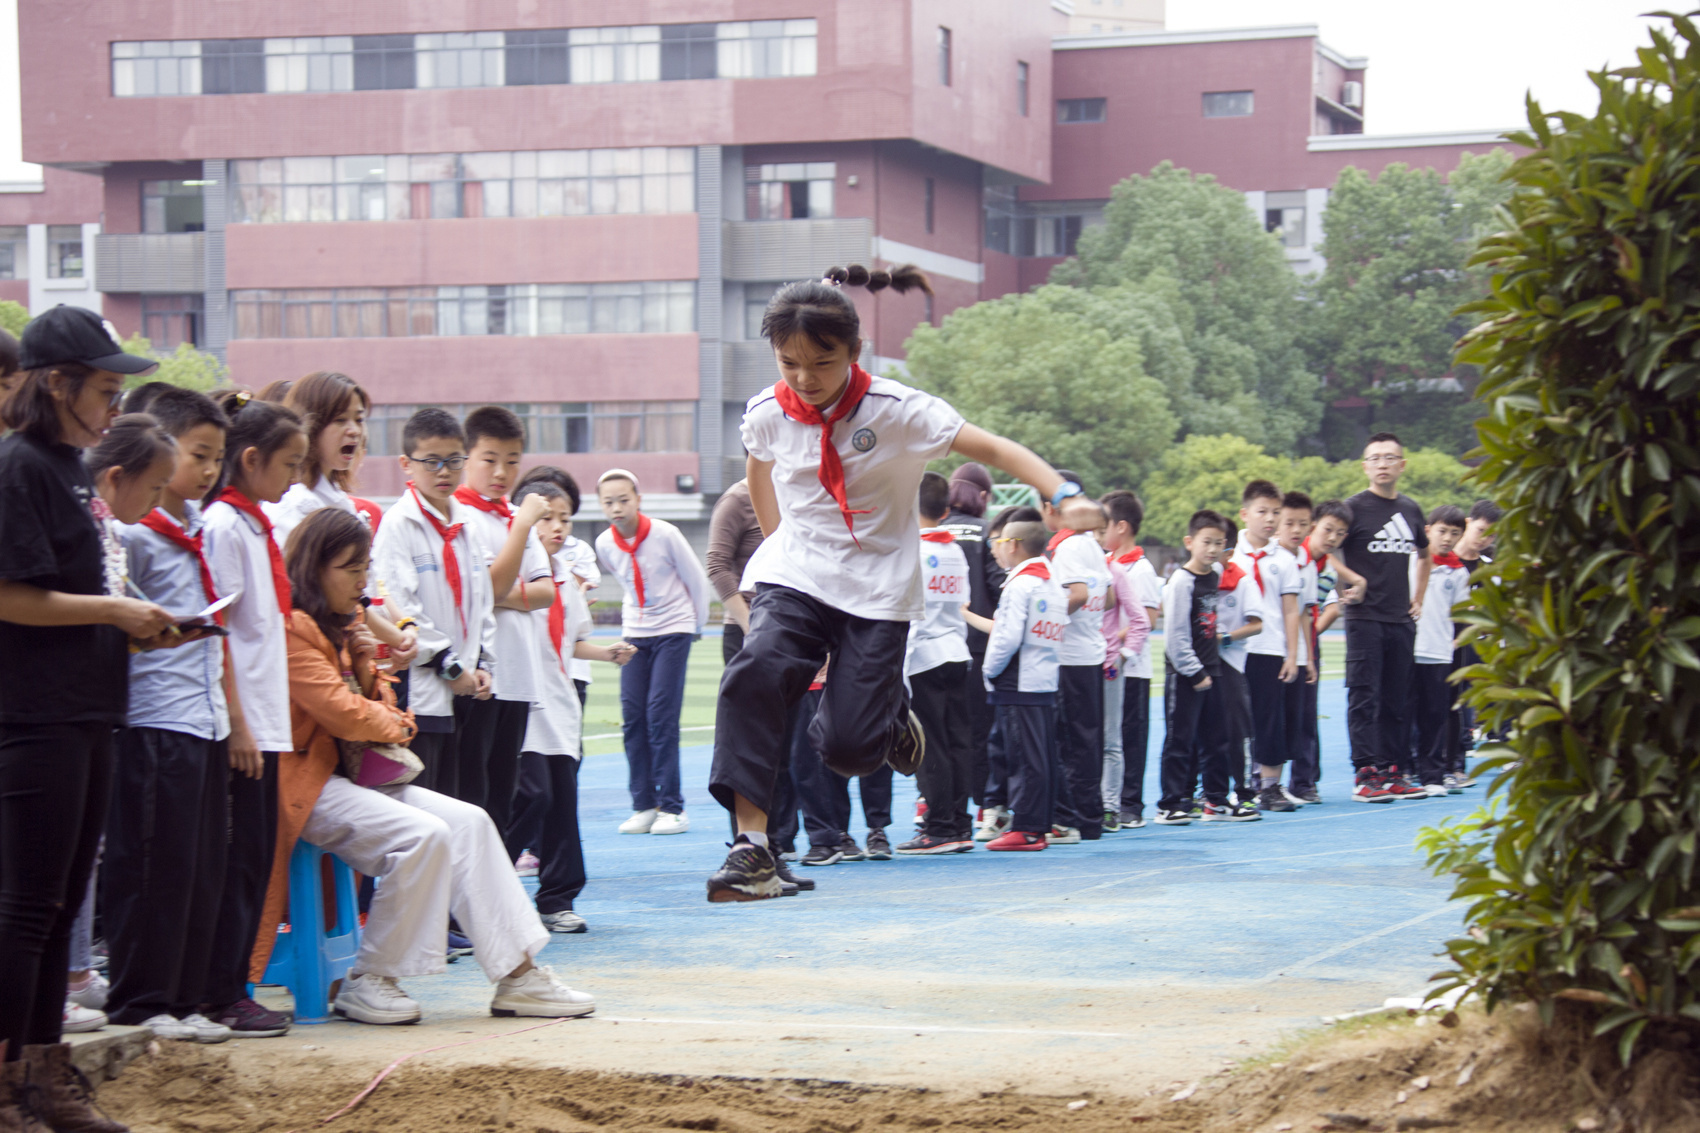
[1231, 812]
[1176, 817]
[782, 869]
[879, 846]
[927, 844]
[747, 875]
[848, 851]
[248, 1020]
[823, 855]
[1271, 799]
[911, 747]
[1112, 821]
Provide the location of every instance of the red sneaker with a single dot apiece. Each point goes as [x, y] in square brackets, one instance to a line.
[1017, 840]
[1371, 787]
[920, 813]
[1400, 787]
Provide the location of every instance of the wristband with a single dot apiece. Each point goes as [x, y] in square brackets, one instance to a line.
[1068, 488]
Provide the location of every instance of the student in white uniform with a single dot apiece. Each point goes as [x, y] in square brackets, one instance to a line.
[1127, 707]
[936, 665]
[834, 460]
[438, 584]
[554, 732]
[263, 452]
[1272, 656]
[1431, 693]
[663, 611]
[1077, 565]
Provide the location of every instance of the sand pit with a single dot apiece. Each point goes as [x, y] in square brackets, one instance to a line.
[1477, 1076]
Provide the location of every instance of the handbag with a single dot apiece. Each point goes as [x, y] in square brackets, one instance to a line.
[376, 764]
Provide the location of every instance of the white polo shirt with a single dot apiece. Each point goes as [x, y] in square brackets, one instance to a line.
[1080, 558]
[942, 636]
[1280, 572]
[235, 549]
[515, 677]
[884, 447]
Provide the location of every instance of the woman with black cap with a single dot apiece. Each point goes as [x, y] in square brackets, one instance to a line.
[64, 678]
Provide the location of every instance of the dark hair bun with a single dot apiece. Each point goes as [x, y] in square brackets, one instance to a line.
[908, 277]
[903, 278]
[837, 275]
[856, 275]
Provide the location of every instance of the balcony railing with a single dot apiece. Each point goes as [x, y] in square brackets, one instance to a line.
[774, 250]
[154, 263]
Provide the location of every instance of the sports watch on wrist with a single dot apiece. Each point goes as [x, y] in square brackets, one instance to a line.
[1068, 488]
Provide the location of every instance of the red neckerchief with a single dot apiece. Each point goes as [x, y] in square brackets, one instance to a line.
[368, 511]
[831, 466]
[632, 548]
[1130, 557]
[475, 499]
[1257, 558]
[557, 617]
[1056, 541]
[237, 499]
[1232, 575]
[1449, 561]
[1321, 563]
[159, 521]
[1037, 570]
[451, 561]
[937, 537]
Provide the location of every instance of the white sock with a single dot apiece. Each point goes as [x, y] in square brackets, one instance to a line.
[754, 838]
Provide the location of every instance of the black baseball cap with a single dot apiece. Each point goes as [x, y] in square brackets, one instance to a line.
[76, 334]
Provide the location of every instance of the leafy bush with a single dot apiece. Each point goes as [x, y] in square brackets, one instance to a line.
[13, 316]
[184, 366]
[1582, 887]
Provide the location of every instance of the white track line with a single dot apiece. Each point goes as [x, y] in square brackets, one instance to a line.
[804, 1025]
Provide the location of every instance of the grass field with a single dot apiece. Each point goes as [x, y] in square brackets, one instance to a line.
[696, 722]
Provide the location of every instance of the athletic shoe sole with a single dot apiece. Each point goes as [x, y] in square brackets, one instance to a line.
[1164, 820]
[941, 848]
[1358, 797]
[833, 860]
[543, 1010]
[376, 1018]
[752, 892]
[1230, 817]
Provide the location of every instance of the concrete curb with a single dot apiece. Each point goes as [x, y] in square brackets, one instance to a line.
[103, 1054]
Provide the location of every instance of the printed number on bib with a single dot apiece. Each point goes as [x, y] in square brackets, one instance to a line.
[945, 584]
[1048, 631]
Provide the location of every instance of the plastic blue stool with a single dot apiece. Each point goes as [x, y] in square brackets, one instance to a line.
[323, 935]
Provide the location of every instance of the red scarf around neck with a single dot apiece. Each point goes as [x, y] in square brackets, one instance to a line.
[239, 500]
[937, 537]
[1128, 558]
[1449, 561]
[631, 549]
[557, 616]
[831, 466]
[1037, 570]
[451, 561]
[1057, 541]
[158, 520]
[1321, 562]
[1257, 558]
[476, 499]
[1231, 577]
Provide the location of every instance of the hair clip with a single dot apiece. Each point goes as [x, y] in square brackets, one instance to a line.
[243, 397]
[831, 282]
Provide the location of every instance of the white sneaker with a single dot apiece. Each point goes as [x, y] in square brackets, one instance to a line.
[639, 822]
[994, 821]
[564, 921]
[1435, 790]
[539, 993]
[670, 824]
[79, 1019]
[1292, 798]
[527, 865]
[195, 1028]
[92, 994]
[1064, 836]
[367, 998]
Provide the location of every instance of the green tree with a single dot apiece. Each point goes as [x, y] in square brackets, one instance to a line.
[1044, 368]
[184, 366]
[1584, 887]
[1236, 302]
[13, 316]
[1383, 325]
[1211, 472]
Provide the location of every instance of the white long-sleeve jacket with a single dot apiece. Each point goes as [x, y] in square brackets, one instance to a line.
[1021, 654]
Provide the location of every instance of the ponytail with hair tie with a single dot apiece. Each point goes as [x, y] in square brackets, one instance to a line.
[901, 279]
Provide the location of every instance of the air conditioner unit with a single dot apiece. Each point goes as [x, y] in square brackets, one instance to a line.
[1352, 94]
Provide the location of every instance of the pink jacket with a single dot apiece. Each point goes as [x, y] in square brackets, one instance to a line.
[1125, 624]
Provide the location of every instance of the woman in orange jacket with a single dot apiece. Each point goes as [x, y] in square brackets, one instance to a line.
[434, 855]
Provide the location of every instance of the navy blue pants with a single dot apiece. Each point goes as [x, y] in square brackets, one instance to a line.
[1080, 745]
[1379, 658]
[1269, 745]
[1029, 733]
[652, 692]
[1195, 743]
[1136, 738]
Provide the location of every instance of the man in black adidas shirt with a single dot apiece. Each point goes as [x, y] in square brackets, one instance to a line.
[1381, 631]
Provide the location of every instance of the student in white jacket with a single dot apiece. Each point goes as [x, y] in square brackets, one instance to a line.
[664, 610]
[437, 583]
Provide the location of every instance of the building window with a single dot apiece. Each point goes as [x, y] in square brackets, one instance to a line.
[1045, 228]
[690, 51]
[172, 206]
[944, 57]
[653, 179]
[64, 251]
[537, 58]
[1072, 110]
[460, 59]
[927, 204]
[233, 66]
[14, 252]
[615, 55]
[156, 67]
[168, 321]
[766, 49]
[565, 427]
[1284, 215]
[790, 190]
[1227, 104]
[665, 307]
[384, 62]
[1021, 76]
[756, 298]
[310, 63]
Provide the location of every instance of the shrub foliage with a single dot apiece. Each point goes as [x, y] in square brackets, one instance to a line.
[1582, 882]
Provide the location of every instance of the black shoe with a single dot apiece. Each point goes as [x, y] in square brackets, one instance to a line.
[747, 875]
[879, 846]
[911, 747]
[927, 844]
[823, 855]
[1271, 799]
[248, 1020]
[782, 869]
[850, 852]
[1112, 821]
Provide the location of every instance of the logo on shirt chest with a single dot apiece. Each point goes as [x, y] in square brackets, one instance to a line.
[863, 439]
[932, 562]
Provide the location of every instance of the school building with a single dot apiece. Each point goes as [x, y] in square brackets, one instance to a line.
[469, 201]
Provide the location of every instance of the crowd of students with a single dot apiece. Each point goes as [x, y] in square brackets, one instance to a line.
[210, 650]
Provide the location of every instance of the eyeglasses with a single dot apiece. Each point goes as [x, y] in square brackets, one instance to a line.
[1383, 458]
[452, 463]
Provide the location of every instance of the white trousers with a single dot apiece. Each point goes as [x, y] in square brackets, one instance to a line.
[435, 856]
[1114, 759]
